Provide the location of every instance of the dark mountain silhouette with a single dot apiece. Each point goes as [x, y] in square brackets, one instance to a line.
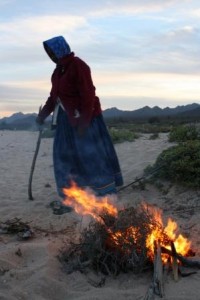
[147, 112]
[16, 117]
[21, 121]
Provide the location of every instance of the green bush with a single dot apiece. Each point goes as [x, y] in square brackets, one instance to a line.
[117, 135]
[183, 133]
[122, 135]
[179, 164]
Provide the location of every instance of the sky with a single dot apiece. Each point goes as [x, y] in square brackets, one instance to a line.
[144, 52]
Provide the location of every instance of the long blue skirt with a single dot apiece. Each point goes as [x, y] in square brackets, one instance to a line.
[89, 160]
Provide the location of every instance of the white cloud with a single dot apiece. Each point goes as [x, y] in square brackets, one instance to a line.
[32, 30]
[136, 49]
[131, 7]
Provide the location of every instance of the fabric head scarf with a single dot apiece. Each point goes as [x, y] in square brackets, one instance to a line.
[56, 48]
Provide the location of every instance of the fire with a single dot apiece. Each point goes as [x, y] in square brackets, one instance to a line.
[182, 245]
[123, 238]
[166, 235]
[86, 203]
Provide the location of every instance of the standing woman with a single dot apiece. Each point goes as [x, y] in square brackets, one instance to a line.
[83, 151]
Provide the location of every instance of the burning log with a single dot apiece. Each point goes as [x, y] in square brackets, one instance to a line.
[174, 262]
[185, 261]
[158, 272]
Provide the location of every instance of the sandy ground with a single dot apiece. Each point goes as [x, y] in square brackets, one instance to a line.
[30, 269]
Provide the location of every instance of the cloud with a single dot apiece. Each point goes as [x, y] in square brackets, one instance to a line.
[154, 85]
[130, 7]
[24, 91]
[33, 30]
[136, 49]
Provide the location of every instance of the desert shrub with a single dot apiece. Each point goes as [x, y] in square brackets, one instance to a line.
[183, 133]
[122, 135]
[179, 164]
[117, 135]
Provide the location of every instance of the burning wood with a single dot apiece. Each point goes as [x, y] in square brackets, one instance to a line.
[132, 239]
[174, 262]
[113, 245]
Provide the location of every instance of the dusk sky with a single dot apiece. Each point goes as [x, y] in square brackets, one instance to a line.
[144, 52]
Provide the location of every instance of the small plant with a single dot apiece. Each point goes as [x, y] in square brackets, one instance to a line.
[122, 135]
[179, 164]
[183, 133]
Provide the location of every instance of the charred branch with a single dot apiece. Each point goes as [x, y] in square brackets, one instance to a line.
[185, 261]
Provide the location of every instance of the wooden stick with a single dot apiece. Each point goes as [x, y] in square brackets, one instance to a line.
[174, 262]
[30, 196]
[157, 285]
[158, 274]
[185, 261]
[150, 293]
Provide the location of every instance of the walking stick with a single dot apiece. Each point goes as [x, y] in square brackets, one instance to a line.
[30, 196]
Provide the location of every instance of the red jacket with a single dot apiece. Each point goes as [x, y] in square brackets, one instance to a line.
[72, 83]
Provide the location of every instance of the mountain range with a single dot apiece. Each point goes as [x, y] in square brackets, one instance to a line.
[148, 112]
[27, 121]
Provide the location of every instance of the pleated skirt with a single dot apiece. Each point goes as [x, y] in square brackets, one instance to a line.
[89, 160]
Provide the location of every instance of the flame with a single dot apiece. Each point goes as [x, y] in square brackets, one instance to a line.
[126, 237]
[166, 235]
[86, 203]
[181, 243]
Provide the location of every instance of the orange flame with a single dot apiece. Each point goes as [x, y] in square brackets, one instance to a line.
[166, 235]
[86, 203]
[126, 237]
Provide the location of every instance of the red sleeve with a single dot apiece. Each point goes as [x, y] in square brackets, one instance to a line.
[86, 92]
[47, 109]
[49, 106]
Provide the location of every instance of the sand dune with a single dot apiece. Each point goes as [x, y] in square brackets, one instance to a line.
[30, 270]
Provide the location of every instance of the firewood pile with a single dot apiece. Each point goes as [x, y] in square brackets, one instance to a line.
[117, 244]
[114, 244]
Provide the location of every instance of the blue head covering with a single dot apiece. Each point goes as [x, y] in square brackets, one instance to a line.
[58, 46]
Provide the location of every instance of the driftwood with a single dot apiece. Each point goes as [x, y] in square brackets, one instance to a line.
[185, 261]
[30, 196]
[157, 285]
[174, 262]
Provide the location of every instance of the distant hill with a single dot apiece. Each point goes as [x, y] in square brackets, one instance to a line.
[16, 117]
[20, 121]
[147, 112]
